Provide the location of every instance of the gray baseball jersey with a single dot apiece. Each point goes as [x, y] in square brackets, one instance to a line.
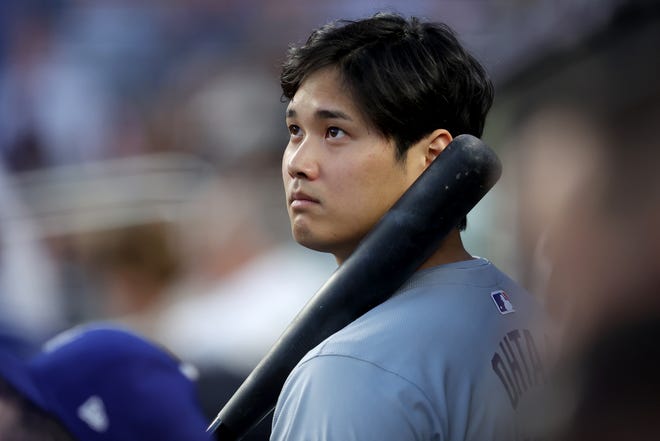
[448, 357]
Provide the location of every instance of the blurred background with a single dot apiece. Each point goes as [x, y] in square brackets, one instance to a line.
[140, 182]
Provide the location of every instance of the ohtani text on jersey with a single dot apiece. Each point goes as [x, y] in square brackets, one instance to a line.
[518, 365]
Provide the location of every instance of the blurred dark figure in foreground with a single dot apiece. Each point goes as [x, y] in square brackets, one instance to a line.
[590, 209]
[619, 388]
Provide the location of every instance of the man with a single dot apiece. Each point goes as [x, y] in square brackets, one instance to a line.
[99, 383]
[595, 236]
[450, 356]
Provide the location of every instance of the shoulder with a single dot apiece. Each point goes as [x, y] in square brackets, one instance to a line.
[335, 397]
[433, 349]
[433, 318]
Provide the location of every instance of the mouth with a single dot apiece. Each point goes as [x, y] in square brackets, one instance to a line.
[299, 199]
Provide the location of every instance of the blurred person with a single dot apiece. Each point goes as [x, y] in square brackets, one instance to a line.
[590, 193]
[617, 386]
[596, 248]
[551, 174]
[53, 108]
[99, 382]
[241, 283]
[210, 108]
[23, 36]
[133, 268]
[371, 104]
[31, 303]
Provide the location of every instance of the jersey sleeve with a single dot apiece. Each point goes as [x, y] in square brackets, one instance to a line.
[339, 398]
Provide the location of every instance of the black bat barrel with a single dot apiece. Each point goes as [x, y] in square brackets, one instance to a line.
[404, 238]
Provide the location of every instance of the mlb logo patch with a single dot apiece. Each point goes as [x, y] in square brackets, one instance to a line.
[502, 302]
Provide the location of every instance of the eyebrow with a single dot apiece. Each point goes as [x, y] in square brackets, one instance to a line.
[322, 114]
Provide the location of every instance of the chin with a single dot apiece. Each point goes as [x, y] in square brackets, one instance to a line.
[308, 242]
[339, 252]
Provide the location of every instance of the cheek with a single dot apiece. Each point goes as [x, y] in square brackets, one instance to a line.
[285, 173]
[370, 189]
[353, 187]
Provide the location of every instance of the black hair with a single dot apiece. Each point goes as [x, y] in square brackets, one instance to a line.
[406, 76]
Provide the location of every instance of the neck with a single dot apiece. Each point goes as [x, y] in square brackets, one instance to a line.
[450, 250]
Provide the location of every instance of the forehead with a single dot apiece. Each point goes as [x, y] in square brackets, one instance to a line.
[324, 90]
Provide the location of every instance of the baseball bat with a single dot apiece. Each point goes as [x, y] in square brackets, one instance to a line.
[404, 238]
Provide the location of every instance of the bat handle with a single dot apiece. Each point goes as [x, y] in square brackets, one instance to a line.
[221, 431]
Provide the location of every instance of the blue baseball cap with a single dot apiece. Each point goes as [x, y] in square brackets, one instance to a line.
[106, 383]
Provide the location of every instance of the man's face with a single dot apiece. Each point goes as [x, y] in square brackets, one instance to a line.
[340, 174]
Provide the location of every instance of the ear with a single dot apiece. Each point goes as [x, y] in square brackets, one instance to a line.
[437, 141]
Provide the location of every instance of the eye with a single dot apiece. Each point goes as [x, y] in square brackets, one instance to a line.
[294, 130]
[335, 133]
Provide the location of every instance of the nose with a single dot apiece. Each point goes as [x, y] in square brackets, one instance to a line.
[301, 161]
